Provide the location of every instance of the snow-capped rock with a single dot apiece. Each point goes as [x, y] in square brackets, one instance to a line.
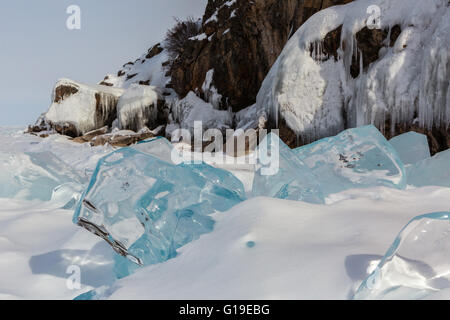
[338, 72]
[140, 106]
[79, 108]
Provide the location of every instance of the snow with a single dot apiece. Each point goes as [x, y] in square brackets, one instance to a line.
[192, 109]
[38, 243]
[408, 80]
[144, 69]
[214, 17]
[301, 251]
[211, 93]
[199, 37]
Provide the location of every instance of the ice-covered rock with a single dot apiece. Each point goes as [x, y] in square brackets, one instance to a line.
[79, 108]
[148, 70]
[281, 174]
[417, 264]
[367, 62]
[192, 109]
[356, 158]
[139, 107]
[146, 208]
[412, 147]
[433, 171]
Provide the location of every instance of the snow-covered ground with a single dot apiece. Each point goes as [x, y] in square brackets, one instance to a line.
[260, 249]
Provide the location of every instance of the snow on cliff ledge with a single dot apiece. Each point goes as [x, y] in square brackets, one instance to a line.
[409, 82]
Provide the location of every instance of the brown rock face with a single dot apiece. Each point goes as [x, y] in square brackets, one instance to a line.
[369, 43]
[105, 109]
[64, 91]
[244, 40]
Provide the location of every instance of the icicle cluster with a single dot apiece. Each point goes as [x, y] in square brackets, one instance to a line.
[409, 83]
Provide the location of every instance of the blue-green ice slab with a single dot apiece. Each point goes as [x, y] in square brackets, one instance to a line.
[356, 158]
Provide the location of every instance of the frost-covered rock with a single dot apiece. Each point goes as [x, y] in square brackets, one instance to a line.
[416, 265]
[193, 109]
[433, 171]
[339, 72]
[140, 106]
[281, 174]
[240, 41]
[412, 147]
[356, 158]
[146, 208]
[148, 70]
[79, 108]
[210, 91]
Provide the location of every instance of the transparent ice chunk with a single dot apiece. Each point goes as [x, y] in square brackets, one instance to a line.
[281, 174]
[67, 195]
[146, 208]
[356, 158]
[412, 147]
[34, 175]
[433, 171]
[417, 265]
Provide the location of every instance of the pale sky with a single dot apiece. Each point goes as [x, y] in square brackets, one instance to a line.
[36, 48]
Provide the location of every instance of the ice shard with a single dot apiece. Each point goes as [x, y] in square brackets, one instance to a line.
[356, 158]
[433, 171]
[281, 174]
[34, 175]
[146, 207]
[417, 264]
[412, 147]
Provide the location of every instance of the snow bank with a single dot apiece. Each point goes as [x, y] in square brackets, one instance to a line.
[316, 95]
